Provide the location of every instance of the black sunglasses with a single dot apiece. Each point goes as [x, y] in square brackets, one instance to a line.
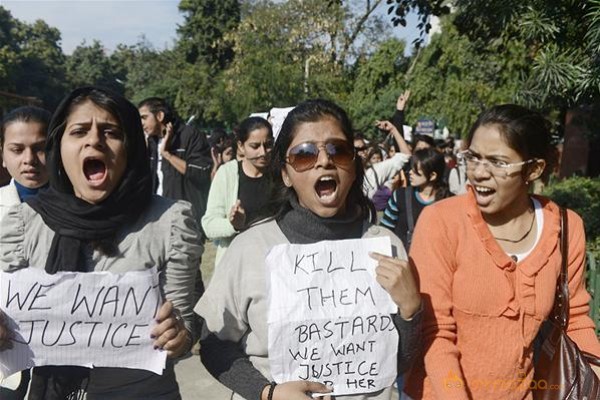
[304, 156]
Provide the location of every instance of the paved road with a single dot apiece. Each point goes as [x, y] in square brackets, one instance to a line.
[197, 384]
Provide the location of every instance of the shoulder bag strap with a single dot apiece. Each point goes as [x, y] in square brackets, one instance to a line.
[561, 303]
[410, 221]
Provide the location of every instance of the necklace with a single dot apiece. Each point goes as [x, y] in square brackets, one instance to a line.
[522, 237]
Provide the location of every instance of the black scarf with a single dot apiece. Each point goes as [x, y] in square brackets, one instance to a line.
[77, 223]
[302, 226]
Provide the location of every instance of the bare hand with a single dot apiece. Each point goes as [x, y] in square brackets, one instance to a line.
[5, 334]
[397, 278]
[297, 390]
[170, 333]
[402, 100]
[166, 141]
[216, 157]
[237, 216]
[386, 126]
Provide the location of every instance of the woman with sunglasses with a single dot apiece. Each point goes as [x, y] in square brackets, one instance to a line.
[99, 214]
[426, 187]
[319, 179]
[240, 189]
[488, 261]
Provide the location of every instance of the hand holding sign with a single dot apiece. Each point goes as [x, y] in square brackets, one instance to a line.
[398, 280]
[329, 319]
[297, 390]
[170, 332]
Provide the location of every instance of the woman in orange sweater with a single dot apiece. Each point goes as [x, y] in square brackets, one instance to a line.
[488, 263]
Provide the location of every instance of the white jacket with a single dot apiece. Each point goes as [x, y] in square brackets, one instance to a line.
[8, 198]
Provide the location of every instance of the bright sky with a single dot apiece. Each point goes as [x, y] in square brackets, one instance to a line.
[113, 22]
[110, 22]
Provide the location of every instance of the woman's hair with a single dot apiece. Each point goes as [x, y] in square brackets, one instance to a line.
[314, 111]
[26, 114]
[251, 124]
[423, 138]
[373, 150]
[431, 160]
[129, 121]
[524, 130]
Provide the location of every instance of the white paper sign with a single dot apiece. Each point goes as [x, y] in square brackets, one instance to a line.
[329, 320]
[95, 319]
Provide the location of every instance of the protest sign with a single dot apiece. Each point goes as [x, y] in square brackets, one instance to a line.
[95, 319]
[425, 126]
[329, 320]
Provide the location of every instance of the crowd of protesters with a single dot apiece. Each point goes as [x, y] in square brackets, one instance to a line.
[105, 185]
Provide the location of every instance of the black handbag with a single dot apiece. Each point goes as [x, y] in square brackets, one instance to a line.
[562, 371]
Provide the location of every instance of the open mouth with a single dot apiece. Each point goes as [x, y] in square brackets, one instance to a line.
[94, 170]
[484, 194]
[326, 187]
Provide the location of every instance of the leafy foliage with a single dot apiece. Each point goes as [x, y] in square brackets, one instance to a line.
[582, 195]
[379, 81]
[31, 61]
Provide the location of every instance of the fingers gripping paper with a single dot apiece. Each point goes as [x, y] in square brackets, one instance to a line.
[329, 320]
[95, 319]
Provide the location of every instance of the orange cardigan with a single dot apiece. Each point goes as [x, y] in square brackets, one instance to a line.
[482, 310]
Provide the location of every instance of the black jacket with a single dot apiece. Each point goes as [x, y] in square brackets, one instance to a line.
[191, 146]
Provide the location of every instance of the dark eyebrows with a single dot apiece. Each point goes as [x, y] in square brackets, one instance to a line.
[499, 157]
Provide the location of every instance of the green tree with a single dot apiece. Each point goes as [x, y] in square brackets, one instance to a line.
[90, 65]
[201, 54]
[561, 38]
[205, 24]
[379, 80]
[453, 81]
[9, 48]
[31, 61]
[144, 71]
[289, 51]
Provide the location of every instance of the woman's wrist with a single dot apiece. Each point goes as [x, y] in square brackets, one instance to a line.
[268, 391]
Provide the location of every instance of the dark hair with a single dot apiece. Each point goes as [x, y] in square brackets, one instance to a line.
[313, 111]
[227, 143]
[424, 138]
[358, 136]
[431, 160]
[525, 131]
[27, 114]
[129, 120]
[216, 136]
[373, 150]
[251, 124]
[158, 104]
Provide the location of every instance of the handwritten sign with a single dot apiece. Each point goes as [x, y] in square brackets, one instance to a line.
[95, 319]
[329, 320]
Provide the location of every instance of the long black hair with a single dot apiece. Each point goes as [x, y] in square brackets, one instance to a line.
[432, 161]
[313, 111]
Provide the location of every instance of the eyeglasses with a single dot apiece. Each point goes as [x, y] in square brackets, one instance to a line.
[304, 156]
[494, 167]
[360, 148]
